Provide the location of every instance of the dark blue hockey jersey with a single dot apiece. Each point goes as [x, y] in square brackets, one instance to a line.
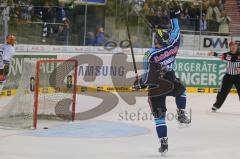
[165, 56]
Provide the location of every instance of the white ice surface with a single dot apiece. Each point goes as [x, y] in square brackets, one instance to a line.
[210, 136]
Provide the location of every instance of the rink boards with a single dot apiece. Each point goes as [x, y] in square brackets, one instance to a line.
[114, 72]
[12, 92]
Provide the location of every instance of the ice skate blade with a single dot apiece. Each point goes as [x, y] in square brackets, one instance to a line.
[213, 111]
[183, 125]
[164, 154]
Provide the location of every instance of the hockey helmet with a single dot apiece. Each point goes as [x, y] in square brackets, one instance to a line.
[11, 39]
[162, 37]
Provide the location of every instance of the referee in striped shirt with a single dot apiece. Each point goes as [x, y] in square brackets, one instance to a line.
[232, 76]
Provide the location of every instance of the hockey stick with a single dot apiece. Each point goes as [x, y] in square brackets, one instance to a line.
[130, 40]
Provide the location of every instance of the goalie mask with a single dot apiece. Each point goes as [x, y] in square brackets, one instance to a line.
[161, 37]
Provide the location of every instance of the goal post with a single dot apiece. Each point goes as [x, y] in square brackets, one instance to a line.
[45, 94]
[37, 86]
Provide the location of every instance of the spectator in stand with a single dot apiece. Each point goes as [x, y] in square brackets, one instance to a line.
[224, 21]
[197, 23]
[221, 4]
[213, 15]
[26, 11]
[187, 17]
[14, 10]
[97, 39]
[100, 38]
[165, 16]
[60, 13]
[159, 11]
[148, 10]
[90, 39]
[203, 23]
[62, 37]
[47, 17]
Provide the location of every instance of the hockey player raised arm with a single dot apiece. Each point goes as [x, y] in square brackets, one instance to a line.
[164, 40]
[175, 28]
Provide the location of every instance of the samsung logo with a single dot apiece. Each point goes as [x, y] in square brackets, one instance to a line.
[101, 71]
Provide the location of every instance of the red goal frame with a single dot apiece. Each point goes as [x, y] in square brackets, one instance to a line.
[36, 87]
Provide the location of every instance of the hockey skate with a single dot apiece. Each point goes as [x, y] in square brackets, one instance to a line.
[214, 109]
[164, 146]
[183, 119]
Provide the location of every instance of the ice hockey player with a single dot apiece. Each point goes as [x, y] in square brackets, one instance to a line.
[160, 60]
[7, 51]
[232, 75]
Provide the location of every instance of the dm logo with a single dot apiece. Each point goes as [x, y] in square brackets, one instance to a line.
[215, 43]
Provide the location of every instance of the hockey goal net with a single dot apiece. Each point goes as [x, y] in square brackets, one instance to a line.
[46, 92]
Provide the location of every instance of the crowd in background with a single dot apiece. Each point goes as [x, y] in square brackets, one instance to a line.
[212, 18]
[95, 38]
[216, 17]
[55, 19]
[57, 23]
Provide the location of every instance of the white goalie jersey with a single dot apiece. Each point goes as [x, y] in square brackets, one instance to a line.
[6, 54]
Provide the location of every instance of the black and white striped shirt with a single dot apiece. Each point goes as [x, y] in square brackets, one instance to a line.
[232, 61]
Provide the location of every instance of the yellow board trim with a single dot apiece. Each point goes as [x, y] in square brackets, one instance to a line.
[50, 90]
